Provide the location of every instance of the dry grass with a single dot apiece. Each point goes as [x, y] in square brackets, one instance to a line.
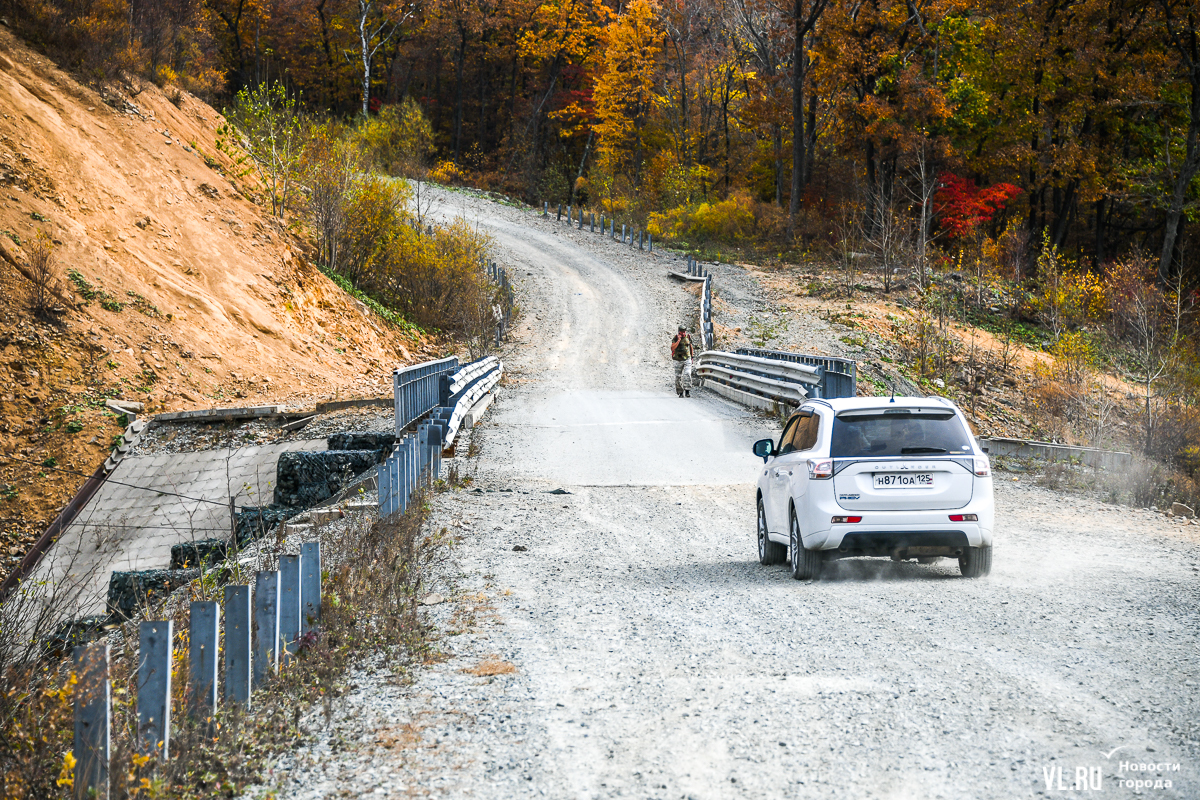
[492, 665]
[374, 576]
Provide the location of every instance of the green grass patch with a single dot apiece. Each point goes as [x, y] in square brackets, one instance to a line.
[388, 315]
[143, 305]
[89, 292]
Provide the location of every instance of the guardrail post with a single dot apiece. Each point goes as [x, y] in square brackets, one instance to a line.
[436, 437]
[581, 218]
[649, 243]
[622, 233]
[266, 625]
[93, 721]
[641, 240]
[569, 213]
[237, 644]
[384, 489]
[592, 220]
[203, 635]
[396, 397]
[414, 465]
[545, 209]
[401, 488]
[422, 447]
[310, 586]
[400, 502]
[155, 641]
[289, 603]
[396, 502]
[559, 217]
[405, 475]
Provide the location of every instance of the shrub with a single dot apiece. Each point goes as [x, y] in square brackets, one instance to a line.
[729, 220]
[1066, 296]
[330, 164]
[1074, 357]
[365, 248]
[43, 274]
[398, 140]
[446, 172]
[425, 276]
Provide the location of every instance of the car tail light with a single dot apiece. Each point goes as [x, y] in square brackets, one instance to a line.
[982, 467]
[820, 470]
[964, 518]
[837, 520]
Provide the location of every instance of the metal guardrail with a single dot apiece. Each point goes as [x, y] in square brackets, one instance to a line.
[416, 460]
[461, 379]
[262, 630]
[502, 310]
[608, 226]
[841, 374]
[416, 389]
[696, 272]
[469, 398]
[778, 381]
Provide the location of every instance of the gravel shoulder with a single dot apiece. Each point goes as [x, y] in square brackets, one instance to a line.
[620, 640]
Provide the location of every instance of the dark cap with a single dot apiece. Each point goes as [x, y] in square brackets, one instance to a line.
[681, 328]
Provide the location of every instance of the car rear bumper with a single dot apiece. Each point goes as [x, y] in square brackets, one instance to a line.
[903, 543]
[884, 532]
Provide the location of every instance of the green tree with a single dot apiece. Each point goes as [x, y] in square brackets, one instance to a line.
[266, 123]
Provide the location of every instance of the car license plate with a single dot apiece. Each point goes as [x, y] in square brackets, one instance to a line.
[903, 480]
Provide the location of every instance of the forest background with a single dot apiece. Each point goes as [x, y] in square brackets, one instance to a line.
[1030, 167]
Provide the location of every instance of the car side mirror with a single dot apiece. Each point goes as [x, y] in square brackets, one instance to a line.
[764, 449]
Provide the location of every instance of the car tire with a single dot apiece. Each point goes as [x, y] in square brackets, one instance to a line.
[975, 562]
[768, 552]
[806, 564]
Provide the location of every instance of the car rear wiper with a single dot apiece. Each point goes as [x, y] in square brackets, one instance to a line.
[904, 451]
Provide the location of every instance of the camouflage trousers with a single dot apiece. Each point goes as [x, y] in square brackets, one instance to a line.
[683, 376]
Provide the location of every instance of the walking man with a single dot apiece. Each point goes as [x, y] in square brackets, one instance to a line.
[681, 353]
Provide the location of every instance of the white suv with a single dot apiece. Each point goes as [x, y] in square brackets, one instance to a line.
[875, 476]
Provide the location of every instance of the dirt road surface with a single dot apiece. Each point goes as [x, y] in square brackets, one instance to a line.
[635, 648]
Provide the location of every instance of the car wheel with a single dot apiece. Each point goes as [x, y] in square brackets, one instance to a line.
[768, 552]
[806, 564]
[975, 562]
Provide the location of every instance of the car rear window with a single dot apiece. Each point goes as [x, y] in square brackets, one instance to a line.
[892, 433]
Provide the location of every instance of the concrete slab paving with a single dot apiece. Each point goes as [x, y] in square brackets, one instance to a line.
[150, 503]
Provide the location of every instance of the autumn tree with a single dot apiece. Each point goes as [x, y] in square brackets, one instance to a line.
[805, 14]
[625, 93]
[376, 22]
[1181, 19]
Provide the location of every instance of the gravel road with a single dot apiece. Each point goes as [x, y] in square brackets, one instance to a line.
[633, 647]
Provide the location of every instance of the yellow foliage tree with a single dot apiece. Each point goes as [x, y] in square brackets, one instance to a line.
[625, 92]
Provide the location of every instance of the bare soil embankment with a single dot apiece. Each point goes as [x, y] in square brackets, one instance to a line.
[174, 289]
